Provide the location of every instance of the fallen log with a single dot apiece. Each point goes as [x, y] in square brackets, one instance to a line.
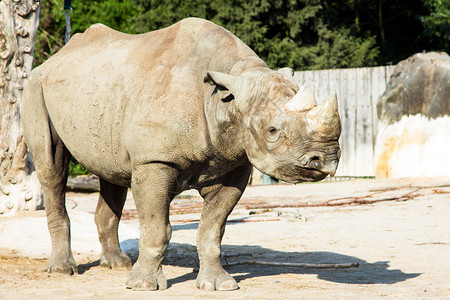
[83, 184]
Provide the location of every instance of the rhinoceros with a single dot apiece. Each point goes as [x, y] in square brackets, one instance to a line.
[189, 106]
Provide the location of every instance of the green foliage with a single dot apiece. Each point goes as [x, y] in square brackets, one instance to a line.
[50, 37]
[50, 34]
[115, 14]
[75, 169]
[296, 34]
[309, 39]
[437, 23]
[302, 34]
[395, 24]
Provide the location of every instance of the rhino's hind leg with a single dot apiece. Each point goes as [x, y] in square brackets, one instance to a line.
[51, 159]
[52, 170]
[152, 185]
[220, 200]
[107, 217]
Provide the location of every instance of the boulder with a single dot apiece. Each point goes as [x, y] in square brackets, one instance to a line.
[413, 119]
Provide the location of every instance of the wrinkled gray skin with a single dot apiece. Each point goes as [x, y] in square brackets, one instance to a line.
[153, 112]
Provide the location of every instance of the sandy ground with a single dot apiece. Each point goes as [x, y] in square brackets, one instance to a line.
[401, 242]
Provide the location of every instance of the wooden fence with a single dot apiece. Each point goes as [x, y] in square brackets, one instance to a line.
[358, 90]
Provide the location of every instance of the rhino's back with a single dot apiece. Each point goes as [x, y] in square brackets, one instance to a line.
[168, 64]
[195, 43]
[114, 97]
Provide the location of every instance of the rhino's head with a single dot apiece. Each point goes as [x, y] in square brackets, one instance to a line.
[286, 134]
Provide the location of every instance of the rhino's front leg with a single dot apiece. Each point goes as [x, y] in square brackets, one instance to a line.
[152, 186]
[220, 200]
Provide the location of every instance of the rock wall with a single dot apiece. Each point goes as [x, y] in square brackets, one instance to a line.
[413, 119]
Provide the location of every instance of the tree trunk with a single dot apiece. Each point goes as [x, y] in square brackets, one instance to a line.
[19, 186]
[381, 23]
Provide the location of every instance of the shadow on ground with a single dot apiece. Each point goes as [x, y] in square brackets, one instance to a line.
[185, 255]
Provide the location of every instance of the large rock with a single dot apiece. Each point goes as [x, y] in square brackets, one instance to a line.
[413, 124]
[418, 85]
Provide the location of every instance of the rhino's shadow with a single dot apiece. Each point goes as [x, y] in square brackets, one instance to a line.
[185, 255]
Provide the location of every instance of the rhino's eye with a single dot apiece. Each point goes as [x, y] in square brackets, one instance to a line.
[272, 134]
[272, 130]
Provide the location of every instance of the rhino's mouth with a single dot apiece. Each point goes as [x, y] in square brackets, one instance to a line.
[301, 174]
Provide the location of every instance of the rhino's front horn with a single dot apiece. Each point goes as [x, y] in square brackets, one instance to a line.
[303, 100]
[324, 118]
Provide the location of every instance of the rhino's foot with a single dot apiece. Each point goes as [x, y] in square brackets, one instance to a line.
[221, 281]
[141, 280]
[66, 267]
[115, 261]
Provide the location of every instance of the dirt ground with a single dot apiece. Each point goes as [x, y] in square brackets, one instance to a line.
[398, 231]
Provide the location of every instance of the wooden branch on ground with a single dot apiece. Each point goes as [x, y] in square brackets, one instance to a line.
[286, 264]
[439, 191]
[341, 201]
[228, 221]
[249, 220]
[297, 265]
[197, 207]
[364, 200]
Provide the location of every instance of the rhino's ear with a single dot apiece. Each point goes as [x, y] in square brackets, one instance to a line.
[224, 84]
[229, 87]
[288, 73]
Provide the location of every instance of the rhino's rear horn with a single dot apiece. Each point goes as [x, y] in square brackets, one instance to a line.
[302, 101]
